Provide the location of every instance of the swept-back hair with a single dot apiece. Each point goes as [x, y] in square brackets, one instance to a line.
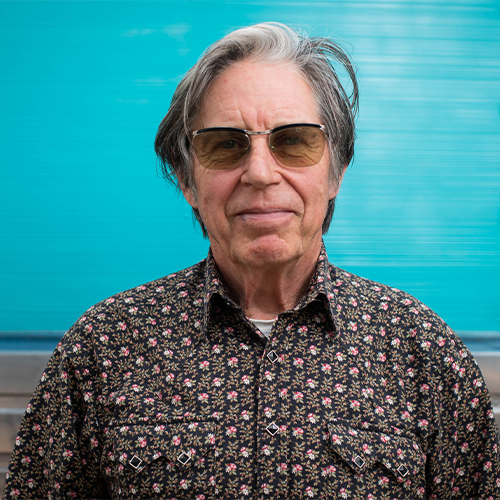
[277, 43]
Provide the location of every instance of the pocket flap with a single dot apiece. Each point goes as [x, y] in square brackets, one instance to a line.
[181, 443]
[362, 447]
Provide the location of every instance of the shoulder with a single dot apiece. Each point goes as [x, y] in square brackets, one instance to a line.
[167, 291]
[130, 315]
[390, 314]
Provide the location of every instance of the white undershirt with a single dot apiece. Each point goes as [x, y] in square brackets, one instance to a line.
[264, 325]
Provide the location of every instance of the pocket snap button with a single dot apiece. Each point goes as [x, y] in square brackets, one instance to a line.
[184, 458]
[359, 461]
[402, 470]
[135, 462]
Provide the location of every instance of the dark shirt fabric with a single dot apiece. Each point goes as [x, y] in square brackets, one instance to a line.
[168, 391]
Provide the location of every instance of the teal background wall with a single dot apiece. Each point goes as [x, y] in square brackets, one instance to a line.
[84, 85]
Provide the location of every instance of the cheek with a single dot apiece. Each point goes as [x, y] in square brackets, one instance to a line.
[214, 190]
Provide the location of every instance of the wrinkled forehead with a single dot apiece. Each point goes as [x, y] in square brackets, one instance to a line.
[252, 84]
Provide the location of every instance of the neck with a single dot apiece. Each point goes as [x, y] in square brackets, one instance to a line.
[265, 291]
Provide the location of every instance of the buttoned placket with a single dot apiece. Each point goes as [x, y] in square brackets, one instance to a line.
[272, 463]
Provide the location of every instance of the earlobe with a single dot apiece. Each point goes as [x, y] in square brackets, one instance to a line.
[335, 188]
[188, 195]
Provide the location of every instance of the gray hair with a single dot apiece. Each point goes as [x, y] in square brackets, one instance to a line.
[266, 42]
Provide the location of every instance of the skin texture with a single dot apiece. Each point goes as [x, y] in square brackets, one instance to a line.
[263, 219]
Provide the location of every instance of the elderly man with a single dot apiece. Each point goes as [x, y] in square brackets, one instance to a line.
[263, 371]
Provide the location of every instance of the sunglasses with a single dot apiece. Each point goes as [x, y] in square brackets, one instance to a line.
[295, 145]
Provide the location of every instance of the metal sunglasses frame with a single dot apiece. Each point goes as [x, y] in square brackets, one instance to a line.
[249, 133]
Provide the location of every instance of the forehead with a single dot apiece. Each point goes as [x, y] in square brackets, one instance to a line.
[256, 95]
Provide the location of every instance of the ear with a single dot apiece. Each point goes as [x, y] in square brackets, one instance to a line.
[335, 188]
[188, 194]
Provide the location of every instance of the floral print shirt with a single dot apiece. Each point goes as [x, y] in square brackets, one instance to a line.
[168, 391]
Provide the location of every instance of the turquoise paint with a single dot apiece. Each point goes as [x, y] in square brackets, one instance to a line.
[84, 85]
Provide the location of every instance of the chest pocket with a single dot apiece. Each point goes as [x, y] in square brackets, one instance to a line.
[362, 448]
[157, 460]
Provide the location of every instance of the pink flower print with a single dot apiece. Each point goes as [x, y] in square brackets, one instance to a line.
[328, 471]
[230, 468]
[336, 439]
[311, 383]
[298, 396]
[281, 467]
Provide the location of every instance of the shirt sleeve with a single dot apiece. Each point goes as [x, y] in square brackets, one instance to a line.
[56, 454]
[463, 459]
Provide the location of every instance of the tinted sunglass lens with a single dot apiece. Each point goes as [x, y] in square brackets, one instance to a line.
[300, 146]
[220, 149]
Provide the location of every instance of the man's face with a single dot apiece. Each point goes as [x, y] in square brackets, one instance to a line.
[261, 212]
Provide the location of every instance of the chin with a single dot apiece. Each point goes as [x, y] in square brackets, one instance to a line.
[266, 250]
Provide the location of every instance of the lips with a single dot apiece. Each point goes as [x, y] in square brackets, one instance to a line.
[264, 215]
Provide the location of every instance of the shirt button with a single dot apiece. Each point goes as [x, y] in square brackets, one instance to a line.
[358, 461]
[272, 356]
[272, 428]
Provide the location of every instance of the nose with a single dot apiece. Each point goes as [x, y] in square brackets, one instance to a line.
[260, 166]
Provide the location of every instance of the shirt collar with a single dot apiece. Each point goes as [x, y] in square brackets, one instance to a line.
[321, 288]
